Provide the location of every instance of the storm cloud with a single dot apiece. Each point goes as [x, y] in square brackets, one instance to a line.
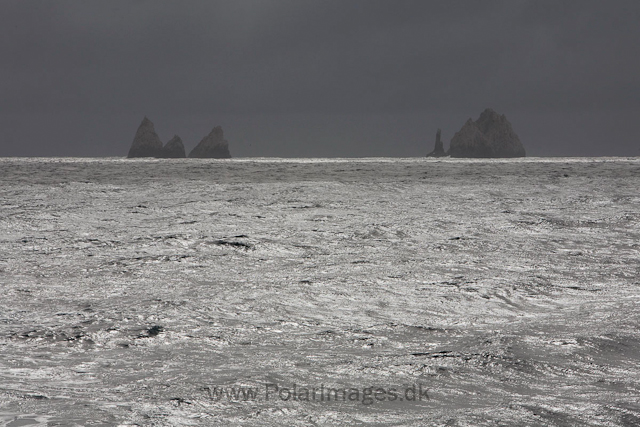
[317, 78]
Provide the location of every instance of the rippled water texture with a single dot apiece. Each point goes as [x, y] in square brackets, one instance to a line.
[507, 289]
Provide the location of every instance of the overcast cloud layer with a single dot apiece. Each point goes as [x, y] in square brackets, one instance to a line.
[317, 78]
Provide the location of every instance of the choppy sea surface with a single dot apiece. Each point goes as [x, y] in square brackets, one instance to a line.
[307, 292]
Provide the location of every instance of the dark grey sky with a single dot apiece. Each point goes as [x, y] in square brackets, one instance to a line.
[318, 78]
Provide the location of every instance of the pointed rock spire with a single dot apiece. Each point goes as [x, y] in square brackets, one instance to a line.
[438, 151]
[146, 143]
[174, 149]
[212, 146]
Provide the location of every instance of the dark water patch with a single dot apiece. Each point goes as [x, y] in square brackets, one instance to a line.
[232, 243]
[613, 347]
[554, 418]
[68, 336]
[436, 354]
[20, 422]
[154, 330]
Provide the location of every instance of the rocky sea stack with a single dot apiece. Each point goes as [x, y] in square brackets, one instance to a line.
[489, 136]
[438, 151]
[146, 143]
[174, 149]
[212, 146]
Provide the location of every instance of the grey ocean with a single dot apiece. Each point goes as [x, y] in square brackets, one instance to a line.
[309, 292]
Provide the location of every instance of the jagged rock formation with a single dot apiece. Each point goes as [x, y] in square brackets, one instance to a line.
[489, 136]
[174, 149]
[438, 151]
[146, 143]
[212, 146]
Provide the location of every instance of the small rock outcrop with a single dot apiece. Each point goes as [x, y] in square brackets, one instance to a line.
[174, 149]
[212, 146]
[438, 151]
[489, 136]
[146, 143]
